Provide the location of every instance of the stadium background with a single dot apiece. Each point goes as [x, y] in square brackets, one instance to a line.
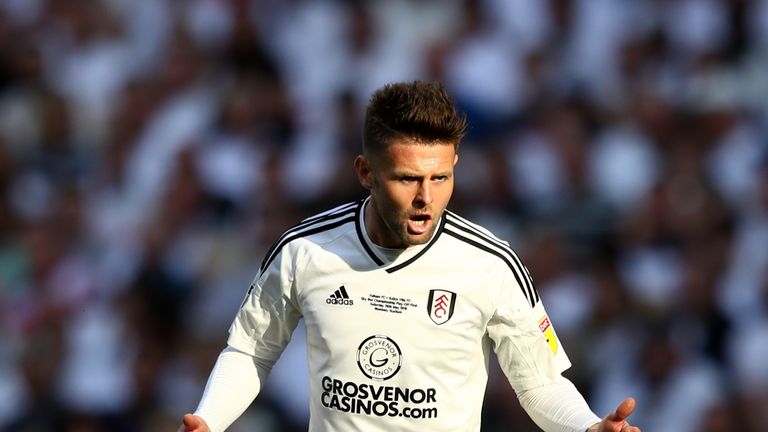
[150, 150]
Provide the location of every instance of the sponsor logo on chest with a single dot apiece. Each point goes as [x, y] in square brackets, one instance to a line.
[379, 357]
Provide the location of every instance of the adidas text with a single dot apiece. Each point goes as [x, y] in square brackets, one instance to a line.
[346, 302]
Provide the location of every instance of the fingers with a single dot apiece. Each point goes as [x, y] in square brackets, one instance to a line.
[625, 408]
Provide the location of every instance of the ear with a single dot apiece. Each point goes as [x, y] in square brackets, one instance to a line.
[364, 172]
[456, 159]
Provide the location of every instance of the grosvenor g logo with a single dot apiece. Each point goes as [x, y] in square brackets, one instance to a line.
[379, 357]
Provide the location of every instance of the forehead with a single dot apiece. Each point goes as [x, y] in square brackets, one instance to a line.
[415, 156]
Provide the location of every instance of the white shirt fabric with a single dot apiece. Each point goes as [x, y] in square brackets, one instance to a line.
[401, 341]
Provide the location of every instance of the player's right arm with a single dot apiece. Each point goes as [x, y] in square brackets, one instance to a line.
[260, 331]
[233, 384]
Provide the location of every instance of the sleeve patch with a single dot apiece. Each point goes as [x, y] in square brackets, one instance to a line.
[549, 333]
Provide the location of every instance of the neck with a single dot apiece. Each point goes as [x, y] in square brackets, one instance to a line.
[373, 224]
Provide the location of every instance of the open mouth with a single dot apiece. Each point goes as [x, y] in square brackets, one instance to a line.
[419, 224]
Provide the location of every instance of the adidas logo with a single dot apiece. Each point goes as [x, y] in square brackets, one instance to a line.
[340, 297]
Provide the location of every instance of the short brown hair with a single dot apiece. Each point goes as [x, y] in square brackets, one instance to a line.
[417, 110]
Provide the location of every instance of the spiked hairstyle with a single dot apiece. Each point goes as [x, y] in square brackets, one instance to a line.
[418, 110]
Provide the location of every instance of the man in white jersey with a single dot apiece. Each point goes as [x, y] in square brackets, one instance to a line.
[403, 300]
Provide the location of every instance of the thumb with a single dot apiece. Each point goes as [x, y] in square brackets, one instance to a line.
[192, 422]
[625, 408]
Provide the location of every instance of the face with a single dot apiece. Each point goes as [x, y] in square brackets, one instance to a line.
[410, 186]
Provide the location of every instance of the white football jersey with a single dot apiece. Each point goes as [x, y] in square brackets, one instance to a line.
[398, 340]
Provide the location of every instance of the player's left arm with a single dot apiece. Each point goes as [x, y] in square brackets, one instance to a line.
[557, 406]
[617, 420]
[533, 359]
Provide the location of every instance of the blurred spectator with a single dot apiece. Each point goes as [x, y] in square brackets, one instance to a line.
[152, 150]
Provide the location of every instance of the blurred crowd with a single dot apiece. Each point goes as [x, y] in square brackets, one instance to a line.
[151, 150]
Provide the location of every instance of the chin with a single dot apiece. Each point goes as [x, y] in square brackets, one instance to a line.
[415, 240]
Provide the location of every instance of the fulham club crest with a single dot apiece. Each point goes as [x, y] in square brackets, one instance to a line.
[440, 305]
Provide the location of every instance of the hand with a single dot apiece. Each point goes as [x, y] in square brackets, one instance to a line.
[193, 423]
[617, 420]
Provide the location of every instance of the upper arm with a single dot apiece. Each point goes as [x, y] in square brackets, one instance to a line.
[526, 345]
[269, 314]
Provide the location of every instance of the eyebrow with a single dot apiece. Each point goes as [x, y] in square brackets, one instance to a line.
[411, 174]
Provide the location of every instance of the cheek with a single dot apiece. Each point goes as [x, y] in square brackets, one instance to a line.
[398, 198]
[392, 192]
[444, 192]
[401, 204]
[449, 190]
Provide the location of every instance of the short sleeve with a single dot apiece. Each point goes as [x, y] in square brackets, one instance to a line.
[268, 316]
[525, 342]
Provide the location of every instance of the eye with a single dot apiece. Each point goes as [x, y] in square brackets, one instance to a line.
[441, 178]
[408, 179]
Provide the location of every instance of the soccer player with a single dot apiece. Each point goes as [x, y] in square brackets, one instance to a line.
[403, 300]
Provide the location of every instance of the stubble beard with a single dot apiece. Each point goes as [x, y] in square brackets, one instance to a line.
[397, 224]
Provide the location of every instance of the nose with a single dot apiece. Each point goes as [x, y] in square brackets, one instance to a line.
[423, 195]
